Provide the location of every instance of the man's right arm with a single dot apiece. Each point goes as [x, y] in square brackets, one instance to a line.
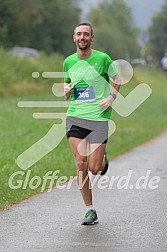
[67, 90]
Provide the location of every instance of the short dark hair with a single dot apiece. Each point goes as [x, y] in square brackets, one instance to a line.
[86, 24]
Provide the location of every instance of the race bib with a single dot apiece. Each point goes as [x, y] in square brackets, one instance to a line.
[84, 94]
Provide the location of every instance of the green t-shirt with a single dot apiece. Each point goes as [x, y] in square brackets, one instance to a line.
[89, 78]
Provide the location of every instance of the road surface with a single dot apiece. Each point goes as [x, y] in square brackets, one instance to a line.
[131, 202]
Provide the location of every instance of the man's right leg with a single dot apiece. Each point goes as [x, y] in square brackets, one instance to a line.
[82, 168]
[83, 179]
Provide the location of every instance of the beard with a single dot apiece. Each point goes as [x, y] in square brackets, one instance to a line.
[83, 46]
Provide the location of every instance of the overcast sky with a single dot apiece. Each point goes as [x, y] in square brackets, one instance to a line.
[142, 10]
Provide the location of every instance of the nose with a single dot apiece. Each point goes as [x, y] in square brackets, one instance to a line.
[82, 36]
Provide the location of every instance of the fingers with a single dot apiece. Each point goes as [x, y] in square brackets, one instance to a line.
[67, 88]
[103, 104]
[106, 102]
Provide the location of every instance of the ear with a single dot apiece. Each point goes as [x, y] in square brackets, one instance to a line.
[92, 38]
[74, 38]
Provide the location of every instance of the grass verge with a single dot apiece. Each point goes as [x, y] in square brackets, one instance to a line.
[19, 131]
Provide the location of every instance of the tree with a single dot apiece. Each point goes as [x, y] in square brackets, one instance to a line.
[114, 30]
[158, 33]
[44, 25]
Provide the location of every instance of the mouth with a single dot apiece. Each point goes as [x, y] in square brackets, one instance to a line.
[82, 43]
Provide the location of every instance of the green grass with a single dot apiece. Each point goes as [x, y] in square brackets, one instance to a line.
[16, 73]
[19, 131]
[147, 121]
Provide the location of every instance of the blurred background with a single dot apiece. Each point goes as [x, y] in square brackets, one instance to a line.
[36, 36]
[123, 28]
[42, 31]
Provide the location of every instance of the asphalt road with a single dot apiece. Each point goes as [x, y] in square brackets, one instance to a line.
[132, 210]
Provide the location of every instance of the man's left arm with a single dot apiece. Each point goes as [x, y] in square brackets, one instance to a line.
[107, 102]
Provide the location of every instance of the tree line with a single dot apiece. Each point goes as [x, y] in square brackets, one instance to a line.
[41, 24]
[48, 26]
[158, 33]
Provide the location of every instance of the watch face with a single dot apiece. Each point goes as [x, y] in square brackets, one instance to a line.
[114, 96]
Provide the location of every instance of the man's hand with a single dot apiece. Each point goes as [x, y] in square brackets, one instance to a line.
[106, 102]
[67, 90]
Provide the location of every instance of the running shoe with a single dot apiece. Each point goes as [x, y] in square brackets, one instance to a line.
[90, 218]
[105, 166]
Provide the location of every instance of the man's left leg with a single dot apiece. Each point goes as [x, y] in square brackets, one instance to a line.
[97, 158]
[98, 138]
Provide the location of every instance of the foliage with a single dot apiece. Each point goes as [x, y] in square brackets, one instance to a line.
[114, 30]
[40, 24]
[158, 33]
[16, 72]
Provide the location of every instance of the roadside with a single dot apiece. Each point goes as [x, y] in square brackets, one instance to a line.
[132, 210]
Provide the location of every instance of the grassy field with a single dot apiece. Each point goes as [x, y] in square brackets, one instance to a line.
[19, 131]
[16, 73]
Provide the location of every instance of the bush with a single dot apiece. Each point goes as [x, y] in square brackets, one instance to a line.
[16, 72]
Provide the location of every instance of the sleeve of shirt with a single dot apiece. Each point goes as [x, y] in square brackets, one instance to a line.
[66, 74]
[110, 67]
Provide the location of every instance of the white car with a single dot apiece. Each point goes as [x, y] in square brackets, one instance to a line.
[25, 52]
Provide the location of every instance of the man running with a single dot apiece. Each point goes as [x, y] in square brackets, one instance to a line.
[86, 85]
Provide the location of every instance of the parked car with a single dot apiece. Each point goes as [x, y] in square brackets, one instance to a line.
[138, 62]
[25, 52]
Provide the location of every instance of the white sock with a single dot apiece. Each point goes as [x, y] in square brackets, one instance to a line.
[90, 207]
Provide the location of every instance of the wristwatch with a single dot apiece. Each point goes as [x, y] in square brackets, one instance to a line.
[113, 96]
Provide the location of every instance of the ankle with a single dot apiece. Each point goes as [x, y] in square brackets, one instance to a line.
[90, 207]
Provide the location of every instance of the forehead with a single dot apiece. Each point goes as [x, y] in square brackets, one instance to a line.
[83, 28]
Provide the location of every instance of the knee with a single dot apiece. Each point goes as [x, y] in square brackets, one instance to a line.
[81, 164]
[94, 168]
[94, 171]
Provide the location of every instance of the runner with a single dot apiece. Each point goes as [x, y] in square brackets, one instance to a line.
[86, 84]
[164, 62]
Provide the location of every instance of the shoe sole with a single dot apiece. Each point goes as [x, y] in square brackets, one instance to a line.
[104, 171]
[90, 223]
